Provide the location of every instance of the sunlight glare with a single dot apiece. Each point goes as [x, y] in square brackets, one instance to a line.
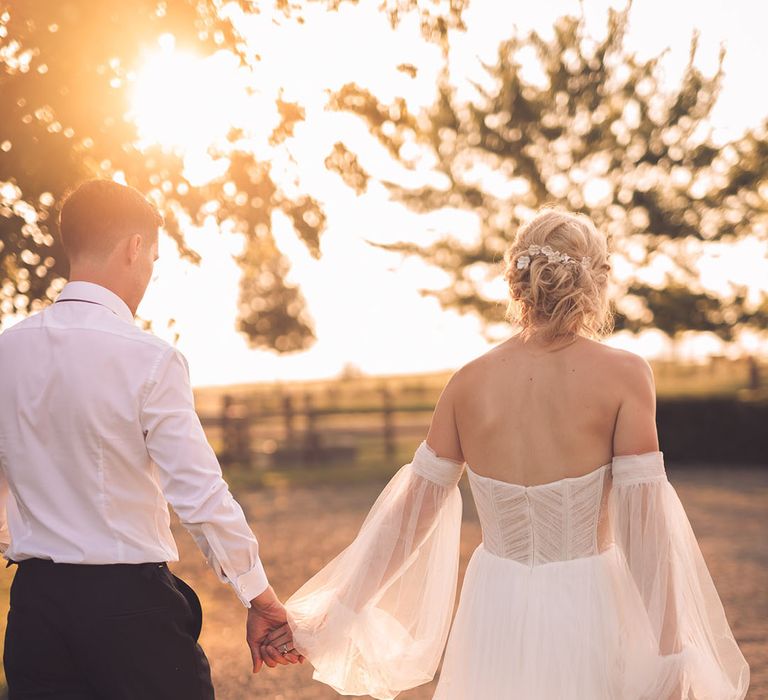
[186, 102]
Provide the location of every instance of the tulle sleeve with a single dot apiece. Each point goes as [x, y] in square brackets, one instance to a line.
[701, 659]
[375, 620]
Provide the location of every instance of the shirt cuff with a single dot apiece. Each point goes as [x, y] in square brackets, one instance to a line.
[250, 584]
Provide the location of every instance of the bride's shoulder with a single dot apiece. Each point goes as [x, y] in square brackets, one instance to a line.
[627, 373]
[479, 365]
[626, 363]
[478, 371]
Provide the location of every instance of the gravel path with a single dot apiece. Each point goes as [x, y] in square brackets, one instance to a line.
[302, 528]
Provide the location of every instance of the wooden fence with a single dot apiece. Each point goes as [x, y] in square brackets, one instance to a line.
[303, 429]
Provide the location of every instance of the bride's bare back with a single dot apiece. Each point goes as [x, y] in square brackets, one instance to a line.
[529, 412]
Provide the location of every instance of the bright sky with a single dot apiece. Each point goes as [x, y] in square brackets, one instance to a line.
[365, 302]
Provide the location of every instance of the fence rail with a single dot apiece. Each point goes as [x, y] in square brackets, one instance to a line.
[307, 429]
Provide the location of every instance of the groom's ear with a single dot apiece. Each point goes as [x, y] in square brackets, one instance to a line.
[133, 247]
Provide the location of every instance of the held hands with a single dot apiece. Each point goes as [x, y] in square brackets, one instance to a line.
[267, 633]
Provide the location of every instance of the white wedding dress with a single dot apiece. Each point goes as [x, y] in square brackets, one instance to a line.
[586, 588]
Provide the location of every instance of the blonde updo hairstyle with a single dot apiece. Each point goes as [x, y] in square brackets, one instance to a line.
[554, 299]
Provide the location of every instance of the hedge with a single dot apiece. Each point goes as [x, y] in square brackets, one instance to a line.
[713, 430]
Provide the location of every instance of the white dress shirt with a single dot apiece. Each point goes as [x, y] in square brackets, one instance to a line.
[98, 433]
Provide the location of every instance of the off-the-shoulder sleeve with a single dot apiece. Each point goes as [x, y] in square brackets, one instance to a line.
[375, 620]
[700, 657]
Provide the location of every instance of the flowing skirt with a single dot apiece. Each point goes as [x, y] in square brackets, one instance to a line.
[567, 630]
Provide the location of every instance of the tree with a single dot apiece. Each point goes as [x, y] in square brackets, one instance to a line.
[64, 94]
[597, 133]
[65, 75]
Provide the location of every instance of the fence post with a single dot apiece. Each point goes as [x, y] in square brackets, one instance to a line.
[311, 438]
[235, 432]
[288, 416]
[389, 424]
[226, 402]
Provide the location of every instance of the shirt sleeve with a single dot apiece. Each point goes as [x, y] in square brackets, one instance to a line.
[374, 621]
[191, 479]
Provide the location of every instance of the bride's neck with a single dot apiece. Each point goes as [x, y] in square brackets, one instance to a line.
[537, 342]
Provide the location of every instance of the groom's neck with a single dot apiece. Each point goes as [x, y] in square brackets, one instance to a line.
[106, 278]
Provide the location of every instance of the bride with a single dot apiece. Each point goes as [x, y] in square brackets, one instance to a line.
[589, 583]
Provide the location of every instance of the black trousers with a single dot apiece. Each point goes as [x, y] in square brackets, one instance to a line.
[104, 632]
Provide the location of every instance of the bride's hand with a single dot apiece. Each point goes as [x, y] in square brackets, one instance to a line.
[278, 639]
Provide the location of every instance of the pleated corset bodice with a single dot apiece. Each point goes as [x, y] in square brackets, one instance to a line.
[556, 521]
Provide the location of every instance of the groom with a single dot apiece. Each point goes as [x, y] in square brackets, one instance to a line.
[98, 432]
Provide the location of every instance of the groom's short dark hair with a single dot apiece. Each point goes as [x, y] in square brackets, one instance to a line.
[98, 213]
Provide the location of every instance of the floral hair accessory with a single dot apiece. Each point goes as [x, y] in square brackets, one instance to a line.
[552, 256]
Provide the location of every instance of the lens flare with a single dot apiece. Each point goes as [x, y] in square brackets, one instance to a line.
[184, 101]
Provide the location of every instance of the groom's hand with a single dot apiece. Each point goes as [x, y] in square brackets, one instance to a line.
[266, 613]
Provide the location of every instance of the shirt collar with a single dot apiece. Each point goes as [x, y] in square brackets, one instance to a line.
[88, 291]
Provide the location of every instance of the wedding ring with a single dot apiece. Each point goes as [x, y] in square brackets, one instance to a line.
[284, 650]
